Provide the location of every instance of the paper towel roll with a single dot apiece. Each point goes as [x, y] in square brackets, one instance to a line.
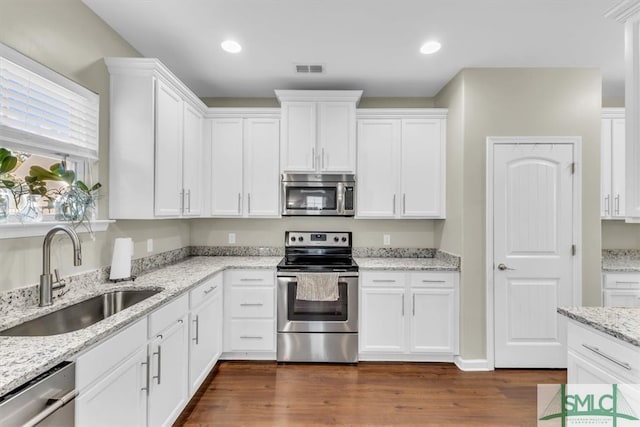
[121, 261]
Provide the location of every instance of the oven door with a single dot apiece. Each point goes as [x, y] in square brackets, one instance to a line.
[296, 315]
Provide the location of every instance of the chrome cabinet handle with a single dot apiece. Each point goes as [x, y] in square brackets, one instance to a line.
[159, 354]
[402, 305]
[617, 204]
[239, 202]
[404, 203]
[146, 363]
[383, 281]
[210, 289]
[394, 204]
[606, 205]
[432, 281]
[413, 305]
[182, 201]
[313, 158]
[250, 337]
[248, 203]
[189, 201]
[597, 351]
[251, 304]
[197, 322]
[322, 158]
[250, 279]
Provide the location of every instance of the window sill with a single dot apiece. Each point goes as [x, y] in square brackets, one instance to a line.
[18, 230]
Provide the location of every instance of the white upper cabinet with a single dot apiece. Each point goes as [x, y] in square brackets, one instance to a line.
[318, 131]
[612, 202]
[401, 163]
[155, 142]
[244, 163]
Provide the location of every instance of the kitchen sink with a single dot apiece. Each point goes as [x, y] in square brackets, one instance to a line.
[80, 315]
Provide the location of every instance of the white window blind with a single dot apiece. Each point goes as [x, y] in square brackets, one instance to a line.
[44, 112]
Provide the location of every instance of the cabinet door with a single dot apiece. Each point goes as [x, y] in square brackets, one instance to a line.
[617, 167]
[583, 371]
[168, 392]
[433, 320]
[422, 168]
[119, 399]
[192, 162]
[622, 298]
[337, 137]
[168, 173]
[262, 171]
[226, 167]
[205, 339]
[298, 150]
[382, 326]
[605, 165]
[378, 140]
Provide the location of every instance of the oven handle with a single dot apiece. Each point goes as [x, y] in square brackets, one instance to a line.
[292, 278]
[52, 407]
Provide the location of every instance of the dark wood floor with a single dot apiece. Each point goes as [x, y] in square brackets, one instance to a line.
[425, 394]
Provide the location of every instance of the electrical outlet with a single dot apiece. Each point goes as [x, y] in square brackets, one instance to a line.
[149, 245]
[232, 238]
[386, 239]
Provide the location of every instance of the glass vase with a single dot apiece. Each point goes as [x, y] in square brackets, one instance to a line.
[29, 208]
[70, 206]
[5, 197]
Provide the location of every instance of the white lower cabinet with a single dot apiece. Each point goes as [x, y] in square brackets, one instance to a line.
[621, 289]
[138, 377]
[408, 316]
[205, 340]
[249, 314]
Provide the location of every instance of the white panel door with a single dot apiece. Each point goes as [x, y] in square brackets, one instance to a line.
[337, 137]
[382, 326]
[618, 160]
[205, 339]
[605, 165]
[533, 237]
[192, 162]
[226, 167]
[298, 151]
[422, 166]
[433, 320]
[262, 171]
[378, 143]
[168, 173]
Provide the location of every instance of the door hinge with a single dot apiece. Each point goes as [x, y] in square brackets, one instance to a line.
[573, 250]
[573, 168]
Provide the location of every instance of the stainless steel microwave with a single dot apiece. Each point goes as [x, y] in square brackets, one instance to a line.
[318, 194]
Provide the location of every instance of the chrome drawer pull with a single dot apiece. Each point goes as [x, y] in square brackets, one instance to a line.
[159, 354]
[433, 281]
[210, 289]
[383, 281]
[146, 364]
[626, 283]
[197, 322]
[249, 337]
[597, 351]
[250, 280]
[251, 304]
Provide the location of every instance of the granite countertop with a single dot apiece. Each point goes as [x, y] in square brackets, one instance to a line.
[620, 323]
[23, 358]
[620, 260]
[437, 264]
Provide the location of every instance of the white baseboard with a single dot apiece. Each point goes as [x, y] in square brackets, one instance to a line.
[472, 364]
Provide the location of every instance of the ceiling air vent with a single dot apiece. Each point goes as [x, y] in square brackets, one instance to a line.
[309, 69]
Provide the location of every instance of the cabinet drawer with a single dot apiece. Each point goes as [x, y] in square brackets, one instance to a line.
[166, 315]
[107, 355]
[620, 359]
[252, 335]
[382, 278]
[250, 277]
[622, 281]
[431, 280]
[250, 302]
[204, 291]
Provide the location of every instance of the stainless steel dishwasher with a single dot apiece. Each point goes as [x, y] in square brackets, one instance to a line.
[47, 400]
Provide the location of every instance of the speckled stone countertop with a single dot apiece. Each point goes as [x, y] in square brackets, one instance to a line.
[23, 358]
[621, 323]
[620, 260]
[406, 264]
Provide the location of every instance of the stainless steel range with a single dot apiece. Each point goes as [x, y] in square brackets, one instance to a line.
[317, 299]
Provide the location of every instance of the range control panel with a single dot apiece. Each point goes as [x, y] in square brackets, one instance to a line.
[341, 239]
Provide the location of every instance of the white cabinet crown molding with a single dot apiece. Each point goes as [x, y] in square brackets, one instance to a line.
[146, 66]
[244, 112]
[401, 113]
[318, 95]
[613, 113]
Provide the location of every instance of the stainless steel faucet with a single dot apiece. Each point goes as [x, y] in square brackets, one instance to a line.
[46, 281]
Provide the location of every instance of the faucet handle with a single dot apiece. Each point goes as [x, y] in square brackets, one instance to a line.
[58, 283]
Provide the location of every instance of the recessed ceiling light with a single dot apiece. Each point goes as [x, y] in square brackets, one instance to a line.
[430, 47]
[231, 46]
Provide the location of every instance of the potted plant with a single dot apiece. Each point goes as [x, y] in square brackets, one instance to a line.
[8, 162]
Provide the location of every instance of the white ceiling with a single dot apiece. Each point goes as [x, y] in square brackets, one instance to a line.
[364, 44]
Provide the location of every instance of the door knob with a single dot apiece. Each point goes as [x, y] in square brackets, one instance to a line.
[503, 267]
